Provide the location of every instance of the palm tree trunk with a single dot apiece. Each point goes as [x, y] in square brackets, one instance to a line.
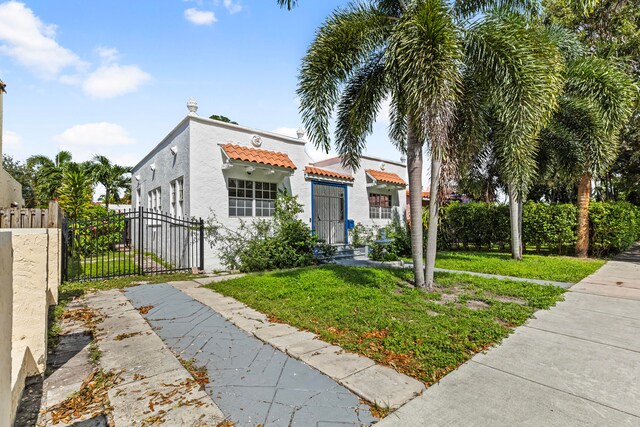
[521, 238]
[432, 236]
[106, 199]
[584, 195]
[414, 165]
[516, 247]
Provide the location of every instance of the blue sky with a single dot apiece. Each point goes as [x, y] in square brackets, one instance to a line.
[113, 77]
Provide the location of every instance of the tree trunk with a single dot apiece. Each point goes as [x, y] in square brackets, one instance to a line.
[516, 247]
[106, 199]
[432, 236]
[414, 166]
[522, 242]
[584, 194]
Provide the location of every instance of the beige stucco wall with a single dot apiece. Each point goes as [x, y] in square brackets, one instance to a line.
[10, 190]
[30, 290]
[53, 265]
[6, 298]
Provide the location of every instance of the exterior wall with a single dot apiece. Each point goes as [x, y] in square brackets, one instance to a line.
[168, 168]
[208, 181]
[358, 195]
[199, 160]
[6, 315]
[10, 190]
[30, 274]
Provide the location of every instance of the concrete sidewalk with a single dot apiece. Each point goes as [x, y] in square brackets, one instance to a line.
[574, 365]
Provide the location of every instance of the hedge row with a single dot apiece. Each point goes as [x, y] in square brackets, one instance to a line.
[614, 226]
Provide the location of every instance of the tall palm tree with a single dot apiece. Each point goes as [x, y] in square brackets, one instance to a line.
[48, 174]
[425, 56]
[597, 101]
[113, 177]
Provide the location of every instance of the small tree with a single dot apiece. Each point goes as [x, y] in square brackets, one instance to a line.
[75, 191]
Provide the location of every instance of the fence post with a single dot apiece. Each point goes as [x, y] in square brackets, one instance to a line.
[140, 240]
[201, 267]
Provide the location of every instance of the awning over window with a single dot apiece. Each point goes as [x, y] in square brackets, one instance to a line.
[255, 155]
[381, 178]
[312, 172]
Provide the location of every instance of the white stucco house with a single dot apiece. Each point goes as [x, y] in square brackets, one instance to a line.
[204, 166]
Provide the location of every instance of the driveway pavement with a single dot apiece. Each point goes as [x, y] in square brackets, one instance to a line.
[574, 365]
[253, 383]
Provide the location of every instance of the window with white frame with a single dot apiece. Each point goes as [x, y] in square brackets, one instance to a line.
[177, 197]
[240, 197]
[243, 194]
[380, 206]
[155, 200]
[266, 193]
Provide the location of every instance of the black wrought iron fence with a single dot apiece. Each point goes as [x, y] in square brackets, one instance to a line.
[129, 243]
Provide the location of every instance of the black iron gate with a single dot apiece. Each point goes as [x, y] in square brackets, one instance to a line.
[129, 243]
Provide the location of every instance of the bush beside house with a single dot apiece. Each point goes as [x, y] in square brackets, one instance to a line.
[284, 241]
[614, 226]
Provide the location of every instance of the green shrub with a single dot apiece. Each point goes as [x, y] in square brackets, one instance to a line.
[614, 226]
[98, 230]
[283, 241]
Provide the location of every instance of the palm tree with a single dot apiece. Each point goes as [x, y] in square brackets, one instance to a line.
[289, 4]
[424, 56]
[583, 138]
[48, 175]
[113, 177]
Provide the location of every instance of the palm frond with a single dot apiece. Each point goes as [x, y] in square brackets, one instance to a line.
[346, 39]
[426, 52]
[519, 72]
[361, 101]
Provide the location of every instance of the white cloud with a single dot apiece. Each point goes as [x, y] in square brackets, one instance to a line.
[109, 139]
[11, 140]
[25, 38]
[108, 54]
[114, 80]
[200, 17]
[232, 7]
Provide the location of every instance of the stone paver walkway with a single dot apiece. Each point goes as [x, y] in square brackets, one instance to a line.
[574, 365]
[153, 387]
[252, 382]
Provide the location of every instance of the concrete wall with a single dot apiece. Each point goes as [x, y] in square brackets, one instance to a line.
[6, 315]
[10, 190]
[30, 293]
[199, 160]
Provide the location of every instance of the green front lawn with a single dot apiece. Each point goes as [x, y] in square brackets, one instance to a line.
[555, 268]
[374, 312]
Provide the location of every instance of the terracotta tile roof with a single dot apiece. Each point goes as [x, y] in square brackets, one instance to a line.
[329, 174]
[425, 194]
[388, 177]
[254, 155]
